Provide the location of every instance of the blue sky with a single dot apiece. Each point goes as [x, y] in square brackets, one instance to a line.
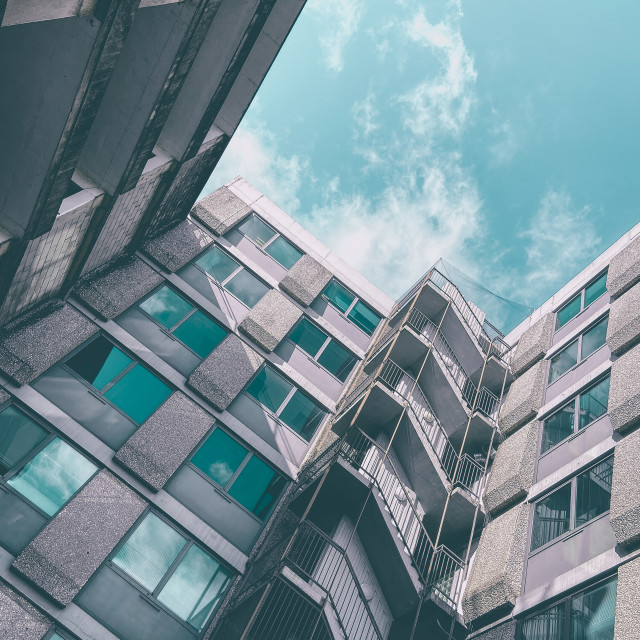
[501, 135]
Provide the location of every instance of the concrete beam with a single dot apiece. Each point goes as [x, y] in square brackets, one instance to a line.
[627, 625]
[624, 390]
[624, 269]
[305, 280]
[23, 11]
[623, 330]
[533, 344]
[524, 399]
[220, 211]
[625, 491]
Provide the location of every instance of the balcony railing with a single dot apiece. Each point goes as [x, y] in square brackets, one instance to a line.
[447, 576]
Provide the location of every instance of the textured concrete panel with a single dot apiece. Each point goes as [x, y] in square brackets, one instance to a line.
[270, 320]
[29, 347]
[625, 491]
[496, 574]
[506, 631]
[4, 396]
[114, 287]
[220, 211]
[524, 398]
[513, 469]
[305, 280]
[624, 390]
[225, 371]
[164, 441]
[19, 620]
[627, 626]
[624, 269]
[64, 555]
[174, 248]
[533, 344]
[623, 330]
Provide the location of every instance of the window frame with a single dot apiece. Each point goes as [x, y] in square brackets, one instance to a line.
[582, 294]
[351, 306]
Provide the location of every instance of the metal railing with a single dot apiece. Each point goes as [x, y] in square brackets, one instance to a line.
[447, 576]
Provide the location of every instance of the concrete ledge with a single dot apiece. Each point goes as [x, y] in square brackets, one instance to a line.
[37, 341]
[533, 344]
[306, 280]
[625, 491]
[624, 391]
[624, 269]
[114, 287]
[220, 211]
[505, 631]
[524, 399]
[623, 330]
[270, 320]
[174, 248]
[20, 620]
[4, 396]
[627, 626]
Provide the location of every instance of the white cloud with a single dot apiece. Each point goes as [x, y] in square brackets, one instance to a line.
[365, 115]
[506, 144]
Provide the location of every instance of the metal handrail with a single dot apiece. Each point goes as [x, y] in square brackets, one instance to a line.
[447, 576]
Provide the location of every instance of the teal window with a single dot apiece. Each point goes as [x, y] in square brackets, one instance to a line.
[323, 349]
[581, 300]
[354, 309]
[288, 403]
[232, 276]
[184, 321]
[19, 436]
[174, 571]
[270, 241]
[119, 379]
[580, 349]
[240, 473]
[577, 414]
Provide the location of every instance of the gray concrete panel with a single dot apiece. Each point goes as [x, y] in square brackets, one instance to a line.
[524, 399]
[533, 344]
[624, 269]
[627, 625]
[64, 555]
[114, 287]
[220, 211]
[623, 330]
[513, 470]
[506, 631]
[625, 491]
[4, 396]
[496, 574]
[162, 443]
[225, 371]
[177, 246]
[305, 280]
[19, 620]
[624, 391]
[32, 345]
[270, 320]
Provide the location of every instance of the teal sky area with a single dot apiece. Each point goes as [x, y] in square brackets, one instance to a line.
[501, 135]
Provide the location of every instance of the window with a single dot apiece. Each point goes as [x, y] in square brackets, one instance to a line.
[232, 276]
[37, 464]
[353, 308]
[184, 321]
[582, 499]
[323, 349]
[118, 378]
[589, 615]
[581, 300]
[173, 570]
[577, 414]
[270, 241]
[240, 473]
[580, 349]
[288, 403]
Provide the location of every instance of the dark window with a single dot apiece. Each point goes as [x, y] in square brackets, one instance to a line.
[270, 241]
[582, 300]
[353, 308]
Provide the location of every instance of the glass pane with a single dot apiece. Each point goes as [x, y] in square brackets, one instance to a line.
[594, 403]
[284, 252]
[594, 338]
[257, 487]
[138, 393]
[595, 289]
[269, 388]
[219, 456]
[99, 362]
[247, 288]
[308, 337]
[558, 427]
[337, 360]
[551, 517]
[569, 311]
[149, 552]
[364, 317]
[563, 361]
[200, 333]
[548, 625]
[338, 296]
[217, 263]
[53, 476]
[594, 491]
[257, 230]
[166, 307]
[302, 415]
[18, 436]
[593, 613]
[195, 587]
